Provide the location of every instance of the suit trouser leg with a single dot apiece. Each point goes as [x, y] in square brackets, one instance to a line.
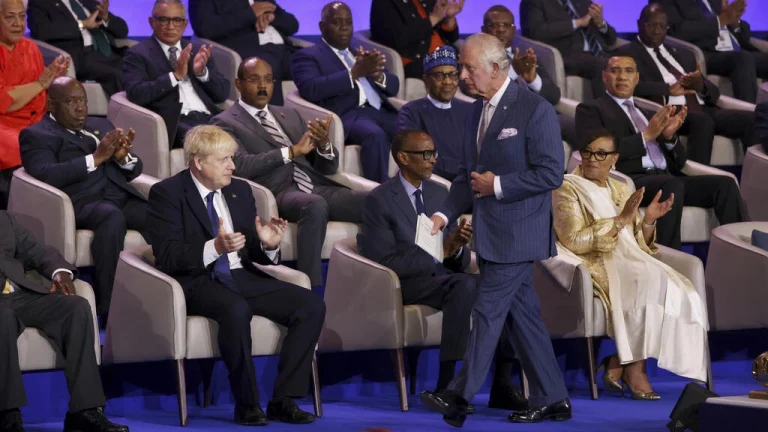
[568, 130]
[13, 395]
[700, 130]
[734, 124]
[6, 176]
[67, 322]
[373, 130]
[186, 123]
[310, 212]
[717, 192]
[667, 226]
[107, 71]
[761, 64]
[740, 67]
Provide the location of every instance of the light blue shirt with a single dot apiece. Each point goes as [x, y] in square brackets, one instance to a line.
[410, 190]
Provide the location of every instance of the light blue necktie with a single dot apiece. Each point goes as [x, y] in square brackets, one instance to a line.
[370, 93]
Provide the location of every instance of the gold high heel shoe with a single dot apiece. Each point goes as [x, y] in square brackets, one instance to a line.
[639, 395]
[611, 384]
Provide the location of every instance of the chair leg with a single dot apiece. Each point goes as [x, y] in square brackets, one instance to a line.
[710, 381]
[397, 359]
[413, 362]
[181, 391]
[206, 369]
[316, 388]
[591, 367]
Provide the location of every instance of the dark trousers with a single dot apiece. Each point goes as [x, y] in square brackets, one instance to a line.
[568, 130]
[6, 176]
[66, 321]
[187, 122]
[708, 191]
[109, 220]
[506, 297]
[107, 71]
[701, 128]
[742, 67]
[589, 66]
[298, 309]
[312, 212]
[373, 130]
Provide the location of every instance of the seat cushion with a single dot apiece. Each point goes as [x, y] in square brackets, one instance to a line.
[760, 239]
[203, 342]
[697, 224]
[422, 325]
[84, 239]
[36, 353]
[334, 232]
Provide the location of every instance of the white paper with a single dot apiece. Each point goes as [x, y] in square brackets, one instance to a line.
[432, 244]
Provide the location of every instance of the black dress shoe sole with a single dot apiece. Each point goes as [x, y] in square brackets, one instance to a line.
[552, 417]
[290, 421]
[252, 423]
[456, 421]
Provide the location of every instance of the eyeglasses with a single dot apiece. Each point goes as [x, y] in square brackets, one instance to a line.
[500, 25]
[654, 26]
[441, 76]
[269, 79]
[74, 103]
[426, 154]
[599, 155]
[164, 20]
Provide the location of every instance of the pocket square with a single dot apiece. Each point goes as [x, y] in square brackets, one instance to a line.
[507, 133]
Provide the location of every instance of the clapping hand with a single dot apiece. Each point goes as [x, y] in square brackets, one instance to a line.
[57, 68]
[677, 89]
[107, 147]
[182, 63]
[525, 65]
[319, 130]
[694, 80]
[226, 242]
[453, 8]
[675, 122]
[457, 239]
[103, 10]
[201, 59]
[124, 146]
[596, 12]
[658, 209]
[271, 233]
[62, 283]
[658, 123]
[629, 211]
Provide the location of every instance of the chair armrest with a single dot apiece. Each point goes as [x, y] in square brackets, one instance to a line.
[301, 43]
[83, 289]
[760, 44]
[308, 110]
[441, 181]
[45, 211]
[394, 61]
[148, 312]
[692, 168]
[727, 102]
[397, 102]
[618, 175]
[564, 288]
[698, 54]
[685, 264]
[352, 181]
[645, 104]
[567, 107]
[619, 42]
[547, 55]
[125, 43]
[151, 141]
[266, 204]
[226, 104]
[286, 274]
[143, 184]
[50, 53]
[364, 305]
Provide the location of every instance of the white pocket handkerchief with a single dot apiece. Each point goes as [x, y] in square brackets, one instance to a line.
[507, 133]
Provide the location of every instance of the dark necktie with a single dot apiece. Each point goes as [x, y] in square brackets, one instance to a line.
[419, 202]
[691, 101]
[299, 176]
[595, 47]
[100, 41]
[221, 271]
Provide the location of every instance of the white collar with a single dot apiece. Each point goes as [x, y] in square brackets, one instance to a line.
[73, 132]
[202, 190]
[409, 188]
[252, 110]
[510, 54]
[621, 101]
[494, 101]
[438, 104]
[167, 47]
[661, 47]
[336, 50]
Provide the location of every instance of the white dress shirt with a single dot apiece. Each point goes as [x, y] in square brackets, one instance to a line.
[209, 250]
[668, 77]
[362, 98]
[438, 104]
[87, 38]
[270, 35]
[188, 97]
[253, 111]
[534, 85]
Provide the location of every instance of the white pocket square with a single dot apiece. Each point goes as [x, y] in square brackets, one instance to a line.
[507, 133]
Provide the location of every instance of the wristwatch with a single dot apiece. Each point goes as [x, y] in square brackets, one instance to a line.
[326, 147]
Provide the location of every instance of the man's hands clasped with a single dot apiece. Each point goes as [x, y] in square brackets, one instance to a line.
[114, 146]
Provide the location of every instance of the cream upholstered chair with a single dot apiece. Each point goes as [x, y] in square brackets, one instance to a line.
[151, 323]
[48, 213]
[754, 183]
[410, 88]
[36, 352]
[762, 93]
[97, 99]
[737, 278]
[570, 309]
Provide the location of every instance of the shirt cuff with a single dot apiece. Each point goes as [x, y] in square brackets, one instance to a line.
[286, 152]
[671, 145]
[174, 81]
[351, 80]
[105, 23]
[497, 188]
[575, 26]
[209, 253]
[59, 270]
[90, 165]
[204, 77]
[329, 156]
[130, 162]
[536, 84]
[443, 217]
[271, 254]
[604, 28]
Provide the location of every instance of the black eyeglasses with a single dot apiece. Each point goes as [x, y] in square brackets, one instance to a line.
[74, 103]
[269, 79]
[654, 26]
[164, 20]
[426, 154]
[599, 155]
[441, 76]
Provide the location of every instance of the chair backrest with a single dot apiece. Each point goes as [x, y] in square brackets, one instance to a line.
[616, 175]
[394, 61]
[754, 187]
[151, 142]
[227, 61]
[698, 54]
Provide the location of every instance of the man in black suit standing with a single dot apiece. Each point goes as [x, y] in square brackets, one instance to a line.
[89, 160]
[651, 154]
[63, 317]
[253, 28]
[206, 234]
[577, 29]
[87, 31]
[176, 79]
[291, 157]
[671, 77]
[716, 27]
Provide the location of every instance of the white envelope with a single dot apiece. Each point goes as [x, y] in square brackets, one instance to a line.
[507, 133]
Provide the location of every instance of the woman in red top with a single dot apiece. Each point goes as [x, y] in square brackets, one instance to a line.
[23, 84]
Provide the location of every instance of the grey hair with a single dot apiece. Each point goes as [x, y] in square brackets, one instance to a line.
[490, 51]
[168, 2]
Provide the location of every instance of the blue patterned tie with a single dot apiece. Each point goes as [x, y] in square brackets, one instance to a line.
[370, 93]
[419, 202]
[595, 47]
[221, 271]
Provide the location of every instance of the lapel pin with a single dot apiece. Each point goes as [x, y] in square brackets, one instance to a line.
[95, 132]
[504, 108]
[234, 195]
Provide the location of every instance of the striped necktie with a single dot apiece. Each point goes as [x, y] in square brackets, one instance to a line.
[299, 176]
[595, 47]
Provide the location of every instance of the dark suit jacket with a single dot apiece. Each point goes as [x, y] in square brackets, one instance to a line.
[528, 158]
[548, 21]
[652, 85]
[761, 124]
[56, 156]
[233, 24]
[398, 25]
[389, 230]
[51, 21]
[689, 21]
[324, 80]
[145, 71]
[259, 157]
[179, 227]
[21, 252]
[605, 113]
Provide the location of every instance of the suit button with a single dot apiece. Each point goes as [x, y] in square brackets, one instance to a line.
[423, 42]
[413, 15]
[418, 56]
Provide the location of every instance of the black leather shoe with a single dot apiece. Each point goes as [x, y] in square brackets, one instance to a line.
[91, 420]
[250, 415]
[450, 404]
[10, 421]
[507, 398]
[557, 411]
[285, 410]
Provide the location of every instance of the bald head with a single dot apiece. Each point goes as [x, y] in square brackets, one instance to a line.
[68, 103]
[62, 86]
[331, 8]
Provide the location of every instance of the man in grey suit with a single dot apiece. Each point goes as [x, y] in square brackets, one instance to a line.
[513, 159]
[290, 157]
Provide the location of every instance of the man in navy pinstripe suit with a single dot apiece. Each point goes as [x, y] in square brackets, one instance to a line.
[513, 159]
